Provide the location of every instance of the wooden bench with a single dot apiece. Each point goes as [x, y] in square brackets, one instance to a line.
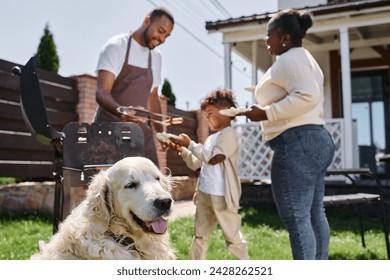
[359, 198]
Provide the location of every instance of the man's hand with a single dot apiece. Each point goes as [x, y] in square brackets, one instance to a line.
[133, 119]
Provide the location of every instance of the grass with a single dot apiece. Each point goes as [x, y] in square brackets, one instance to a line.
[7, 180]
[268, 240]
[266, 237]
[19, 237]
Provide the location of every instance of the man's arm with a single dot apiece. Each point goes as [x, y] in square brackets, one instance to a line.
[154, 105]
[105, 82]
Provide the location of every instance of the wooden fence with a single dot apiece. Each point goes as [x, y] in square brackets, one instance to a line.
[20, 154]
[23, 157]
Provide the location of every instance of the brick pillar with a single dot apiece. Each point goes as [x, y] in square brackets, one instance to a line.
[86, 107]
[164, 104]
[202, 130]
[161, 154]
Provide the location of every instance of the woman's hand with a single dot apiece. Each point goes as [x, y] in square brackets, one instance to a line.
[256, 114]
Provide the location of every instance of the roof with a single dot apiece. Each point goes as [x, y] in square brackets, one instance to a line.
[332, 7]
[367, 23]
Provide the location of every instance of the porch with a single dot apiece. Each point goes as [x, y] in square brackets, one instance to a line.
[350, 42]
[345, 185]
[254, 161]
[255, 157]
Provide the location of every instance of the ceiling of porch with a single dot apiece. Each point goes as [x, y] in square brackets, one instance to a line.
[368, 25]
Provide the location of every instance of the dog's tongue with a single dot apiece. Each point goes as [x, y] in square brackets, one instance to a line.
[158, 226]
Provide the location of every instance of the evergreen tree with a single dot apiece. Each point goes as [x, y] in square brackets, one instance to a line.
[166, 90]
[47, 52]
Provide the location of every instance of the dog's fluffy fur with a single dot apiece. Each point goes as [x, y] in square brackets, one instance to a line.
[124, 216]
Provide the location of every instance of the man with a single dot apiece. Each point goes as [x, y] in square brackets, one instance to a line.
[129, 73]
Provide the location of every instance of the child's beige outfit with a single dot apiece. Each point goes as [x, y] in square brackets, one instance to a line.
[219, 191]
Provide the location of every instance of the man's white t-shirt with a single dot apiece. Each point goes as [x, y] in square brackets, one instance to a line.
[113, 54]
[211, 179]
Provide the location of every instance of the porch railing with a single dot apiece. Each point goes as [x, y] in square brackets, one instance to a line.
[254, 160]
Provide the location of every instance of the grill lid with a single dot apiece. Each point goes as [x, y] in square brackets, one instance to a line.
[33, 105]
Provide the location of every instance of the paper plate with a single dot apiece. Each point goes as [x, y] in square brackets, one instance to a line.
[164, 136]
[232, 112]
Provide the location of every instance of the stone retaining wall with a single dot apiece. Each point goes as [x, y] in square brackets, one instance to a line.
[27, 198]
[38, 197]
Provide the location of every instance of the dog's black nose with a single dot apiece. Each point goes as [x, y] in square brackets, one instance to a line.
[163, 204]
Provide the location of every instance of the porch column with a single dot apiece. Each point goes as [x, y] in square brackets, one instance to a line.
[347, 96]
[254, 68]
[228, 65]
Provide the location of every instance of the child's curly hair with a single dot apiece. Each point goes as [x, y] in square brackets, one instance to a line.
[220, 98]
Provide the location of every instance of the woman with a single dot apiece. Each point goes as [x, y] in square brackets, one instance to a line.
[290, 106]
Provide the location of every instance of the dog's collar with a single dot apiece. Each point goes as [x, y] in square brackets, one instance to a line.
[123, 240]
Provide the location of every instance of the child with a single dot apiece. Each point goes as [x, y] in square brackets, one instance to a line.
[219, 189]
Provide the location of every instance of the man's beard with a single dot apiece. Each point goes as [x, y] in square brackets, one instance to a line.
[146, 38]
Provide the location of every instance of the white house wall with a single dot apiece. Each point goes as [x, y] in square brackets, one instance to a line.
[324, 61]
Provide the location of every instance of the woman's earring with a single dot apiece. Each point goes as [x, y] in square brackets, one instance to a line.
[284, 45]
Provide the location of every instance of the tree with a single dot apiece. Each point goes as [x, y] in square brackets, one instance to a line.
[47, 52]
[166, 90]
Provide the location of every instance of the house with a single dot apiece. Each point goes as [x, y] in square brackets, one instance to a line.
[351, 42]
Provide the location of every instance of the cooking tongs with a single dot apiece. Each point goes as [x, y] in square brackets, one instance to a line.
[132, 110]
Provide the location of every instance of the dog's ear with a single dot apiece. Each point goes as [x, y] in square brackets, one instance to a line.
[99, 203]
[167, 181]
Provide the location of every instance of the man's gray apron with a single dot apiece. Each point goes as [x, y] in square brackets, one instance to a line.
[132, 88]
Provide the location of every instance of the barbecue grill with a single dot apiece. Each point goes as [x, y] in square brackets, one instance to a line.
[81, 149]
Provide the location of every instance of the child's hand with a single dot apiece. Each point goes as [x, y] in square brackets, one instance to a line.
[174, 146]
[195, 198]
[182, 140]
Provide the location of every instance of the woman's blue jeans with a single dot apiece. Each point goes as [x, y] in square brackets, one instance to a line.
[301, 157]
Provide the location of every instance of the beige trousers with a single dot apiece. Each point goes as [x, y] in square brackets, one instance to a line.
[211, 210]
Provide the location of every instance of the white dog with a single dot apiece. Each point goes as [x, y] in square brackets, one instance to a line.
[124, 216]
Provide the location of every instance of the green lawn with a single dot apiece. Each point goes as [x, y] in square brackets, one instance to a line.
[265, 236]
[268, 240]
